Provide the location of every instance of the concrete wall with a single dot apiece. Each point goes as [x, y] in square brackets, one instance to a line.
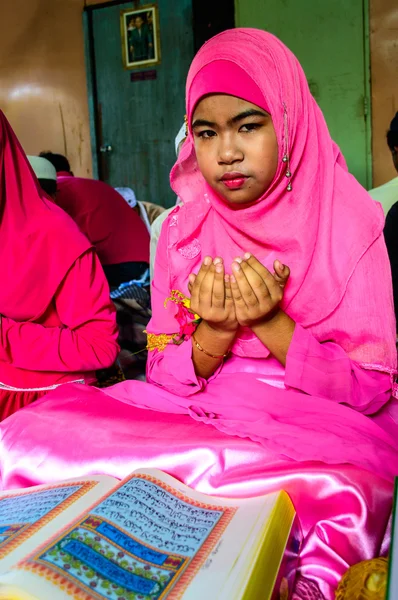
[297, 25]
[328, 40]
[43, 88]
[43, 83]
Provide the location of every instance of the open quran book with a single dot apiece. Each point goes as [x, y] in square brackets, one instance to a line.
[147, 537]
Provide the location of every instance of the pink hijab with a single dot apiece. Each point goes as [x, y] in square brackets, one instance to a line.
[321, 229]
[38, 242]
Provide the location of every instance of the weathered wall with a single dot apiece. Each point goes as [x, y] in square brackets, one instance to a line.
[328, 40]
[43, 88]
[384, 69]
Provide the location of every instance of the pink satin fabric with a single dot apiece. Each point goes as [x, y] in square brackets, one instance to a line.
[318, 363]
[343, 510]
[324, 428]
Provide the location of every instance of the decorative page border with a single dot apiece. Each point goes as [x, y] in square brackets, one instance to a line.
[21, 536]
[189, 568]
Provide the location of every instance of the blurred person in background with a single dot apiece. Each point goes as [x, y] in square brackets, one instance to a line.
[117, 233]
[57, 322]
[387, 194]
[157, 224]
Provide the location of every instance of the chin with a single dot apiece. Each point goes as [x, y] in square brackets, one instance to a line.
[242, 203]
[239, 200]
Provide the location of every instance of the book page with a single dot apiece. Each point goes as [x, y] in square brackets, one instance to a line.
[30, 516]
[150, 538]
[146, 539]
[228, 565]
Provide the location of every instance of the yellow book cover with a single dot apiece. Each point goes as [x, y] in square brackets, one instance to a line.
[392, 584]
[148, 537]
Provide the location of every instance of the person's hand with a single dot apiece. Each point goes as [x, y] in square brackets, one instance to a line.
[256, 292]
[211, 296]
[281, 273]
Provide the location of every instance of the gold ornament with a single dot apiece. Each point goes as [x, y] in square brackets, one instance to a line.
[365, 581]
[158, 342]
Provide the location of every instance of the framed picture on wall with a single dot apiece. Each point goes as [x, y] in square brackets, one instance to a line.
[140, 37]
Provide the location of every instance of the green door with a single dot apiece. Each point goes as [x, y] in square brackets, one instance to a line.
[330, 40]
[134, 121]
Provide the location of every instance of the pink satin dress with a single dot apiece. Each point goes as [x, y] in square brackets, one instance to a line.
[323, 428]
[344, 510]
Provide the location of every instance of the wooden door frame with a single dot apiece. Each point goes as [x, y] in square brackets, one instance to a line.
[92, 91]
[109, 3]
[92, 88]
[367, 94]
[94, 116]
[202, 13]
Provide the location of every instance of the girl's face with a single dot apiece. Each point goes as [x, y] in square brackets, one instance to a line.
[236, 147]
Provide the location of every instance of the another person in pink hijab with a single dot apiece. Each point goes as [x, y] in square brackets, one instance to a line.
[272, 357]
[57, 320]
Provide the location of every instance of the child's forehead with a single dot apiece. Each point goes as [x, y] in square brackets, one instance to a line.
[225, 81]
[221, 105]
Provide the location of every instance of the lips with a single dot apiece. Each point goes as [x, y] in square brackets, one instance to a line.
[233, 180]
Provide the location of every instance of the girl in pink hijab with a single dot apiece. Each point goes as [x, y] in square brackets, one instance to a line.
[57, 320]
[282, 255]
[272, 344]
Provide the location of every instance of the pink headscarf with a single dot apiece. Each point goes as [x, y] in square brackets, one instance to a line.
[321, 229]
[38, 241]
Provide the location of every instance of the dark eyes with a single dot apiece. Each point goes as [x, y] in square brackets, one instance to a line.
[250, 127]
[246, 128]
[207, 133]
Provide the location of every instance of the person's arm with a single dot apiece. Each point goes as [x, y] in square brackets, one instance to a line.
[325, 370]
[210, 348]
[257, 295]
[211, 299]
[322, 369]
[353, 366]
[182, 369]
[86, 341]
[351, 356]
[276, 334]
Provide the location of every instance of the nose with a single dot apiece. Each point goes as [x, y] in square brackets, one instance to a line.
[228, 150]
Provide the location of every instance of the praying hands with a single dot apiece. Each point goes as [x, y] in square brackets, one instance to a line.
[247, 297]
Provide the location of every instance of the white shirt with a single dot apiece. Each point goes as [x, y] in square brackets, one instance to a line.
[386, 194]
[155, 234]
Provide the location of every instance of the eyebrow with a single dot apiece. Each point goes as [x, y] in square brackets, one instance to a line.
[252, 112]
[202, 123]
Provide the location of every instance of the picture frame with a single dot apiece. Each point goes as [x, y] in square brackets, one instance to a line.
[140, 37]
